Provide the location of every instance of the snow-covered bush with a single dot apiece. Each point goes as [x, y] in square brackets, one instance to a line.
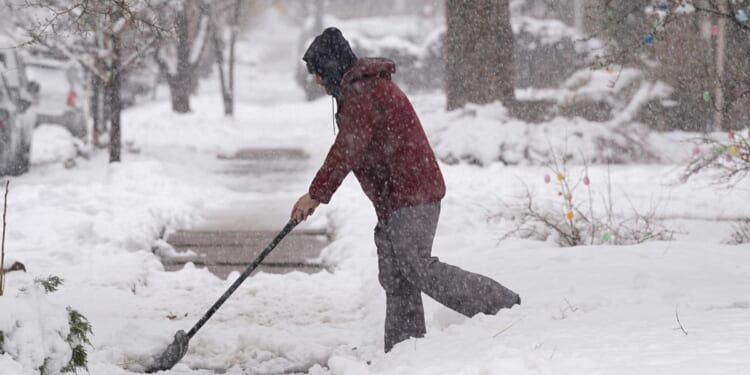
[741, 233]
[726, 155]
[483, 135]
[548, 51]
[575, 218]
[30, 319]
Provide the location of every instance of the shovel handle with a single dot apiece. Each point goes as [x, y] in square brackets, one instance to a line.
[287, 228]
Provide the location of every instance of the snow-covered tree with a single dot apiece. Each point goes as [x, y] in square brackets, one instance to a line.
[103, 36]
[180, 52]
[225, 18]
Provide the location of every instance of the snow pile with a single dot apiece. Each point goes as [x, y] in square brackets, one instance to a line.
[35, 331]
[53, 144]
[92, 226]
[485, 134]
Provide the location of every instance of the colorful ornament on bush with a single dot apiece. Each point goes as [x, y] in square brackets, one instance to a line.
[605, 237]
[586, 180]
[570, 215]
[729, 157]
[733, 150]
[560, 177]
[715, 30]
[547, 179]
[696, 150]
[648, 39]
[706, 96]
[663, 6]
[741, 16]
[719, 150]
[731, 136]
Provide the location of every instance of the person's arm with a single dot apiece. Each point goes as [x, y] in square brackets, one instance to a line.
[351, 142]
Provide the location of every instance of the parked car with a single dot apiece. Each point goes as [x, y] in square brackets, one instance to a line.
[59, 100]
[16, 121]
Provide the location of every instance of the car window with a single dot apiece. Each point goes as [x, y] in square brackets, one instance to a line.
[52, 80]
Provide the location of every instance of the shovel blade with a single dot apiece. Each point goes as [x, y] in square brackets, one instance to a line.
[174, 353]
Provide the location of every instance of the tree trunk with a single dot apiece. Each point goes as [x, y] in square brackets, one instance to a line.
[115, 102]
[219, 51]
[182, 83]
[232, 43]
[180, 90]
[229, 96]
[96, 108]
[478, 53]
[721, 46]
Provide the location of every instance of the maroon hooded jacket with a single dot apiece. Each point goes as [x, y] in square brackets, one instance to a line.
[381, 140]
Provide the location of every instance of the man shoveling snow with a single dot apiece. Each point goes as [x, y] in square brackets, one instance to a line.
[382, 142]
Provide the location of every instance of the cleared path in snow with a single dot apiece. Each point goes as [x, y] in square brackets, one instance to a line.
[231, 238]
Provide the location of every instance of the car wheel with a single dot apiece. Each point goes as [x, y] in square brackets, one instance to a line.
[75, 123]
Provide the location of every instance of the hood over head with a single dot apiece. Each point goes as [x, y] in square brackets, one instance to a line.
[370, 67]
[330, 56]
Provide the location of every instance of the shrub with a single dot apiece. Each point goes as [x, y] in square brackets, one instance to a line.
[574, 220]
[728, 159]
[80, 329]
[741, 233]
[45, 356]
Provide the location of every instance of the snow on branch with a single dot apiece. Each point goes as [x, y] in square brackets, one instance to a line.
[200, 41]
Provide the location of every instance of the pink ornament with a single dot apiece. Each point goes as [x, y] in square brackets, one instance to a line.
[547, 179]
[696, 150]
[715, 30]
[586, 180]
[731, 136]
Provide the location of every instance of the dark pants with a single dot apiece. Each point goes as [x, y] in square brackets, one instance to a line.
[404, 242]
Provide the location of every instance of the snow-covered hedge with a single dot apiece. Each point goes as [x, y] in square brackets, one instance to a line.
[39, 335]
[483, 135]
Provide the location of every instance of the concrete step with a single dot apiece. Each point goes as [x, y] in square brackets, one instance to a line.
[239, 237]
[226, 251]
[222, 245]
[223, 271]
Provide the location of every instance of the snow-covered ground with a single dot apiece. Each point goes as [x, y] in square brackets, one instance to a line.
[586, 310]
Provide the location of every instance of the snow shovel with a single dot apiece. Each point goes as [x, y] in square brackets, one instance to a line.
[177, 349]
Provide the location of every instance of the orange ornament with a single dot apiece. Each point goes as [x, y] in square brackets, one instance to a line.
[570, 215]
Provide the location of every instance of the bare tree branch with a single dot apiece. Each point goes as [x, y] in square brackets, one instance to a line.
[677, 316]
[2, 242]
